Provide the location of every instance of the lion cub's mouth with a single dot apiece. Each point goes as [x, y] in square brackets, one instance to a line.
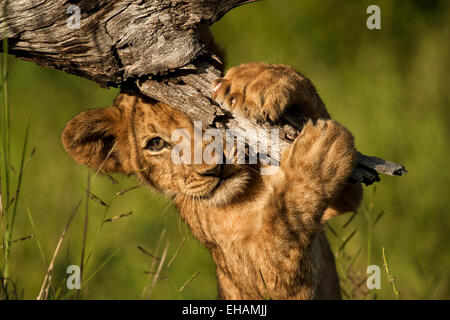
[223, 180]
[220, 186]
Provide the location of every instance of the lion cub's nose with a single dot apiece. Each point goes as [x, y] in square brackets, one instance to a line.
[212, 172]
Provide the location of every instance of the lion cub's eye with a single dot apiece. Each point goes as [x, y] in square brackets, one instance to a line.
[155, 144]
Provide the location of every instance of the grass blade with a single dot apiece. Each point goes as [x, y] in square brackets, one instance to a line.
[349, 221]
[126, 190]
[46, 283]
[188, 281]
[377, 219]
[391, 279]
[19, 181]
[6, 160]
[148, 254]
[104, 263]
[33, 228]
[176, 253]
[158, 271]
[85, 230]
[118, 217]
[30, 236]
[95, 198]
[347, 240]
[153, 263]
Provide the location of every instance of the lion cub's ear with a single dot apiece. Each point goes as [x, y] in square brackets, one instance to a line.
[93, 138]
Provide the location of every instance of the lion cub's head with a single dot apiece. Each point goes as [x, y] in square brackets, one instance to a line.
[135, 137]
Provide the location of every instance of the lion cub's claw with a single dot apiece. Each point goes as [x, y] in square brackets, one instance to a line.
[256, 90]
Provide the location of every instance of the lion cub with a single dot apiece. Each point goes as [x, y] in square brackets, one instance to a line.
[265, 233]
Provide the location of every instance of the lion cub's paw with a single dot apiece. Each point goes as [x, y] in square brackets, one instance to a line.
[257, 90]
[323, 151]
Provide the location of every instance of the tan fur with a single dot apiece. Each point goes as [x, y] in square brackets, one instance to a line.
[265, 233]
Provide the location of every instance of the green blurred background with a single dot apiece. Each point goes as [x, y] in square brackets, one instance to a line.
[390, 87]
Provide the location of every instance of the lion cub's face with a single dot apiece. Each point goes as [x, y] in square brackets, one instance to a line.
[135, 137]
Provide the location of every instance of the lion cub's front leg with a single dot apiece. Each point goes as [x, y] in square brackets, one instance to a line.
[316, 168]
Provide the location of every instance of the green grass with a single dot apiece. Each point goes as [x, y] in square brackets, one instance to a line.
[389, 87]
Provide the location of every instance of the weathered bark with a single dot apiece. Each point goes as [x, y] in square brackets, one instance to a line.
[154, 46]
[119, 40]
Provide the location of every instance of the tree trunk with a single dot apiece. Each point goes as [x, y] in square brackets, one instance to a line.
[153, 46]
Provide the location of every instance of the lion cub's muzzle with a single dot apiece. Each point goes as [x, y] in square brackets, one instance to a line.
[212, 172]
[206, 180]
